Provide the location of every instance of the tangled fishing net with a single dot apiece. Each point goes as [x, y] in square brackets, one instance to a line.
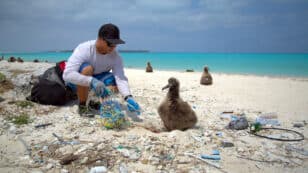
[111, 115]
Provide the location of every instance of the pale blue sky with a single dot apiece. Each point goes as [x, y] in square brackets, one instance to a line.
[158, 25]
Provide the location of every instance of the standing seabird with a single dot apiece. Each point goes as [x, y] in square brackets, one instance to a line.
[206, 78]
[174, 112]
[149, 67]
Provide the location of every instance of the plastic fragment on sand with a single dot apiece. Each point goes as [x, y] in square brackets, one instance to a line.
[210, 157]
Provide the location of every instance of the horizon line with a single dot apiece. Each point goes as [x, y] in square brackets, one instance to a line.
[148, 51]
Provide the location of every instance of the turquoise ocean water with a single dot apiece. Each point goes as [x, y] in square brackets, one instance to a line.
[270, 64]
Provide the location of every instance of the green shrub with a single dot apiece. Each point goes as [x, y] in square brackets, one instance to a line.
[5, 84]
[21, 119]
[2, 77]
[24, 103]
[190, 70]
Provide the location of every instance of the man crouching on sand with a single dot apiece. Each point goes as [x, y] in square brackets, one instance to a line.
[89, 67]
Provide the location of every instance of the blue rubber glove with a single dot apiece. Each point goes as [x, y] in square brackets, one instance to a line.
[132, 105]
[99, 88]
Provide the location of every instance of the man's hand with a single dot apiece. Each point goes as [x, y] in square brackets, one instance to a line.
[132, 105]
[99, 88]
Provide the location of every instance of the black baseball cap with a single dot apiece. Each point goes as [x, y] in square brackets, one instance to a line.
[110, 33]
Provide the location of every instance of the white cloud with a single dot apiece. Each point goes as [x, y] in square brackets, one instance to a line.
[163, 4]
[143, 18]
[223, 5]
[289, 1]
[171, 14]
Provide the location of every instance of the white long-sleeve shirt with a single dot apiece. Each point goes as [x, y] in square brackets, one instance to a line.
[86, 53]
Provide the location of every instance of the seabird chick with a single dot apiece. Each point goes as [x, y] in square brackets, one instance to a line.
[149, 67]
[206, 78]
[174, 112]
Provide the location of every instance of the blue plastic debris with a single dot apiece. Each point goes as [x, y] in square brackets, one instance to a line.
[215, 152]
[211, 157]
[215, 155]
[267, 121]
[219, 134]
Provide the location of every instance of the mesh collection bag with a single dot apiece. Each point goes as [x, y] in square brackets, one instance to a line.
[111, 115]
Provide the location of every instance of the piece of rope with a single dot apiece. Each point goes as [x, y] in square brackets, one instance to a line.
[302, 137]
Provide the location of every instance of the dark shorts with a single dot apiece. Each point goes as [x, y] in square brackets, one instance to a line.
[106, 77]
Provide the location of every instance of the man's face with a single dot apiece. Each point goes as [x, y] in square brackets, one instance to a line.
[103, 47]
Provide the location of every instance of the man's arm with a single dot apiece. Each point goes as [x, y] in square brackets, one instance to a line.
[123, 86]
[71, 72]
[121, 79]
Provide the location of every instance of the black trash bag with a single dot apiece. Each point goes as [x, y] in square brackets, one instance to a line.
[50, 89]
[48, 92]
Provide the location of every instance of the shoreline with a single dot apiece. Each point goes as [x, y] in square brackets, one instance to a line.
[300, 78]
[296, 78]
[272, 65]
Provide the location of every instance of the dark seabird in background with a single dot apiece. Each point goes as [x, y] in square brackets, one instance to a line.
[206, 78]
[149, 67]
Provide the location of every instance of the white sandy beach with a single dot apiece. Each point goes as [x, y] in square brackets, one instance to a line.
[164, 151]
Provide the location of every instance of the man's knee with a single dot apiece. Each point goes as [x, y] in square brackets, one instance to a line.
[88, 70]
